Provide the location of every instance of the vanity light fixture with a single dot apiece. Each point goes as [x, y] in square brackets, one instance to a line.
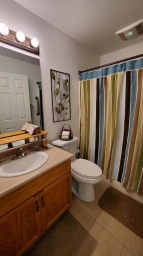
[20, 36]
[4, 30]
[18, 39]
[34, 42]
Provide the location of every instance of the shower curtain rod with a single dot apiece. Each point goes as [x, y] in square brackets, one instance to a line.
[112, 63]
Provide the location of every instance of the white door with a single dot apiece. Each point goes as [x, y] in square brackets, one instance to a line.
[14, 102]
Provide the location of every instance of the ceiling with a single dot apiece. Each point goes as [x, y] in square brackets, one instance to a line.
[92, 23]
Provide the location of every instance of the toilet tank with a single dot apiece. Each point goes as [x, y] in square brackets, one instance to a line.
[69, 146]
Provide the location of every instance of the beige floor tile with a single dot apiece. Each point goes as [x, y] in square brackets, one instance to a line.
[99, 189]
[73, 198]
[114, 227]
[91, 208]
[126, 252]
[82, 216]
[134, 243]
[107, 244]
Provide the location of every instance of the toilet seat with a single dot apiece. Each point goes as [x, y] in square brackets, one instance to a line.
[86, 169]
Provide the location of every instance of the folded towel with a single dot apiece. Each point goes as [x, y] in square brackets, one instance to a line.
[31, 128]
[65, 135]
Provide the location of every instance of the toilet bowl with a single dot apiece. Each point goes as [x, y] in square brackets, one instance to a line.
[84, 172]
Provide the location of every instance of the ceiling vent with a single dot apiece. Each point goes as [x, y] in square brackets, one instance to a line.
[132, 31]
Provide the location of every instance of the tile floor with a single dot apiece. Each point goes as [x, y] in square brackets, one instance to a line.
[113, 238]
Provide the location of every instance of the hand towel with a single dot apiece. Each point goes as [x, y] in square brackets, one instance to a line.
[31, 128]
[65, 135]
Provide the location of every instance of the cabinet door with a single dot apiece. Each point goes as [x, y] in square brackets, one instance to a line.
[20, 228]
[55, 199]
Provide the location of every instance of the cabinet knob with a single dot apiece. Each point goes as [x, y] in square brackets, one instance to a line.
[36, 206]
[42, 201]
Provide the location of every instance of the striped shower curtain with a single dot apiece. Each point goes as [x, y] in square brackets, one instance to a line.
[111, 122]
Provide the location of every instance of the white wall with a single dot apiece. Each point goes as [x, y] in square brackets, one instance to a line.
[57, 51]
[33, 73]
[122, 54]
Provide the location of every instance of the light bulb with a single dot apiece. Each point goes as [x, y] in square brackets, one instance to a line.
[20, 36]
[34, 42]
[4, 30]
[130, 33]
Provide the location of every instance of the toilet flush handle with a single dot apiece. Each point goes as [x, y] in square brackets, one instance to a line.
[64, 147]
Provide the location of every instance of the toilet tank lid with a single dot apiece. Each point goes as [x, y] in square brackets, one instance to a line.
[63, 143]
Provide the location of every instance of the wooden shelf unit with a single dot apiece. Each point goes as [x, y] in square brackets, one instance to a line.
[9, 134]
[7, 138]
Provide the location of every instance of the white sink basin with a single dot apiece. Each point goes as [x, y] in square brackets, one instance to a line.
[23, 165]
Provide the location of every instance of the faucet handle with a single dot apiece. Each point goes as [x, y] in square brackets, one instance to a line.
[19, 151]
[19, 154]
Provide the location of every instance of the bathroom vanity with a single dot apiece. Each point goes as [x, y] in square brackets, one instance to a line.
[31, 203]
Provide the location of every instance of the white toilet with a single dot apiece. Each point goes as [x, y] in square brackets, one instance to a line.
[84, 173]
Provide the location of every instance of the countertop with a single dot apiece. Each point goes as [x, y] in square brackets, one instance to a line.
[56, 157]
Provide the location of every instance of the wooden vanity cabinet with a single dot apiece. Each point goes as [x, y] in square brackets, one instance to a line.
[22, 226]
[55, 200]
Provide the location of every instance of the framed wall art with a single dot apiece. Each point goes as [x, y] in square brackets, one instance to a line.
[60, 90]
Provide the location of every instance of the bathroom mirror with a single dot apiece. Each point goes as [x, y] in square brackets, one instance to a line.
[20, 92]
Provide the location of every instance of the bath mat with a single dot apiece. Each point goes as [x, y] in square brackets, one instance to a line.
[124, 209]
[65, 238]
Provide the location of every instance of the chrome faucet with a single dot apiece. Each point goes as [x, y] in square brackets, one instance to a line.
[19, 154]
